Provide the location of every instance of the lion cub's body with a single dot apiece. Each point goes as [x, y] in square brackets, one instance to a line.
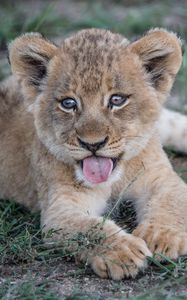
[68, 161]
[17, 133]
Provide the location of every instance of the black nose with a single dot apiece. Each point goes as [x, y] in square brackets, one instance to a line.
[93, 147]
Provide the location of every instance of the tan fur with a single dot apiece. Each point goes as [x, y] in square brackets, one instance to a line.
[40, 152]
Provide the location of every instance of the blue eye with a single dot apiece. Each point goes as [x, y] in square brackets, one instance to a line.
[117, 100]
[68, 104]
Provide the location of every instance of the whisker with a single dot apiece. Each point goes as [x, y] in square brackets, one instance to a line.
[76, 149]
[114, 142]
[112, 148]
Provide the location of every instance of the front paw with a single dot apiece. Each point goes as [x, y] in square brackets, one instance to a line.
[165, 240]
[122, 256]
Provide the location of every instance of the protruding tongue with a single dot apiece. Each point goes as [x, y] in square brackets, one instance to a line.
[97, 169]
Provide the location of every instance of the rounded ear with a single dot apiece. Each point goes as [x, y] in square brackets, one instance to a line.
[161, 54]
[29, 56]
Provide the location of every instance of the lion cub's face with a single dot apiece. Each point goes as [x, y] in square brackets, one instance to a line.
[96, 98]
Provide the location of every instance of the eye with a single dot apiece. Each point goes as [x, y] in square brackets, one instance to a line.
[68, 104]
[118, 100]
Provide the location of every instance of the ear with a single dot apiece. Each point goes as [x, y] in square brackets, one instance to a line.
[29, 58]
[161, 54]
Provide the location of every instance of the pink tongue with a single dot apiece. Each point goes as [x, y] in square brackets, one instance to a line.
[97, 169]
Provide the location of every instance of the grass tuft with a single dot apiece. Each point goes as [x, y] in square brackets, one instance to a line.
[29, 289]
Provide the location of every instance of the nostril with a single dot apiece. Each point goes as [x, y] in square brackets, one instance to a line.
[93, 147]
[82, 143]
[103, 143]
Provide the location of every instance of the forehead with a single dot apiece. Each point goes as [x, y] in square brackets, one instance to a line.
[91, 58]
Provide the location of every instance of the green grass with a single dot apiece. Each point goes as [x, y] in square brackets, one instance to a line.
[21, 238]
[19, 232]
[29, 289]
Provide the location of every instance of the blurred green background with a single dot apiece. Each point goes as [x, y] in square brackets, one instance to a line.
[59, 18]
[29, 271]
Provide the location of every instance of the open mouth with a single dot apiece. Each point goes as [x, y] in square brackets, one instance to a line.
[97, 169]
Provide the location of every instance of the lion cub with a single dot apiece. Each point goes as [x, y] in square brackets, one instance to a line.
[78, 123]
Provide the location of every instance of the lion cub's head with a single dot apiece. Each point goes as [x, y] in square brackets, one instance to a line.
[96, 97]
